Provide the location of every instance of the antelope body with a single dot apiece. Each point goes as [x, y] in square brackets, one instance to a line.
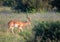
[14, 23]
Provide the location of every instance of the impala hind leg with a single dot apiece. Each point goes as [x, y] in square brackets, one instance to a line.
[11, 28]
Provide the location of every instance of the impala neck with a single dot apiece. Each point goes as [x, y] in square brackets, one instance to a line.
[28, 22]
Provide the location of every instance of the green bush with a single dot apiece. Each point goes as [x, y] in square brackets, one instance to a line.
[47, 31]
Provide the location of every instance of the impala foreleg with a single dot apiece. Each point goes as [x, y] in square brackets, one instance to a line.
[20, 29]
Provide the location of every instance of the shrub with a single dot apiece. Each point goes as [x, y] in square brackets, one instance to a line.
[47, 31]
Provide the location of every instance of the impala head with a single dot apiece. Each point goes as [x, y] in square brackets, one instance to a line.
[29, 20]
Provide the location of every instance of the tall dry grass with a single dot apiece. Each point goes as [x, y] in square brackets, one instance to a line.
[27, 35]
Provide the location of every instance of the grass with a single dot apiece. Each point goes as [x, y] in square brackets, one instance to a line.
[4, 37]
[27, 35]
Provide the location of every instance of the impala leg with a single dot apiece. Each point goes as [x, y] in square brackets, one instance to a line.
[11, 28]
[20, 28]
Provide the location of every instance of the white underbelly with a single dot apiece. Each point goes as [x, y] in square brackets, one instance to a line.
[16, 25]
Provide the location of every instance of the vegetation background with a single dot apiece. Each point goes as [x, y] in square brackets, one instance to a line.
[45, 20]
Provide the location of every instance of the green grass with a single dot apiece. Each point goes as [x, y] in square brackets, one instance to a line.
[9, 37]
[27, 34]
[4, 37]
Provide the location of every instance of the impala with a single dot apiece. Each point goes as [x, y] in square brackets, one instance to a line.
[18, 24]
